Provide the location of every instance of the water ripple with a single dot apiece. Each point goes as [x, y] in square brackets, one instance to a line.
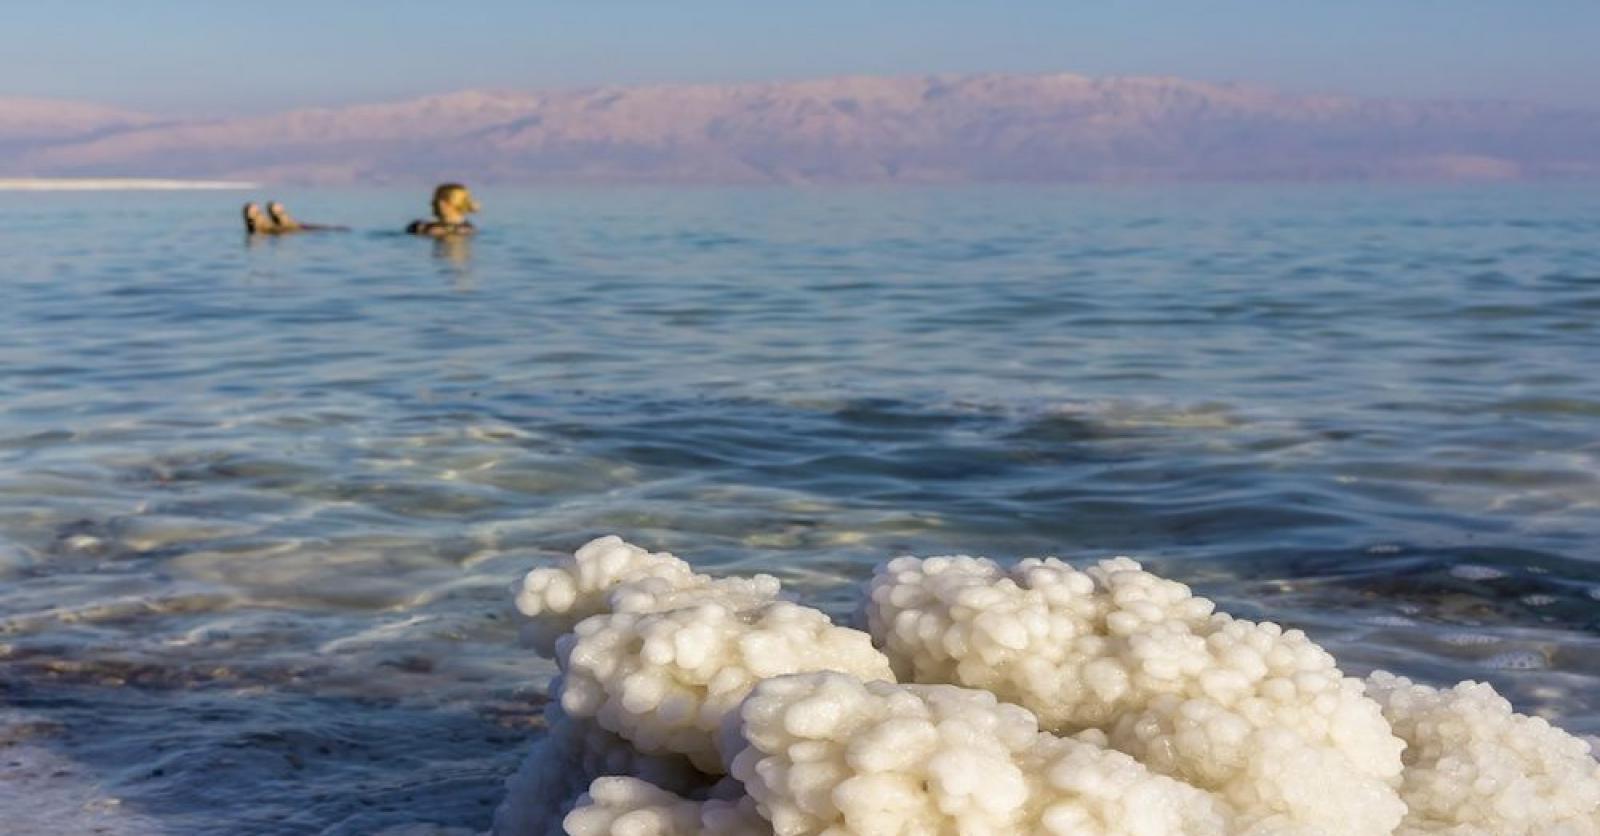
[259, 505]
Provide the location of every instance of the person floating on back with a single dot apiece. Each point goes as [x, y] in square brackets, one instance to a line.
[256, 223]
[452, 203]
[283, 222]
[276, 220]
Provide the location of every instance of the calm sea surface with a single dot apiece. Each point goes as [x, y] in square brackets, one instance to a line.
[260, 503]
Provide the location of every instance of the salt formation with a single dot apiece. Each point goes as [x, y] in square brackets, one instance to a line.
[608, 575]
[1104, 701]
[1257, 714]
[565, 759]
[827, 753]
[658, 653]
[665, 680]
[617, 806]
[1475, 767]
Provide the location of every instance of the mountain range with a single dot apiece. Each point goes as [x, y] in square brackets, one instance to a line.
[860, 129]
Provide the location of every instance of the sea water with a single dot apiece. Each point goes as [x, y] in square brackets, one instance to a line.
[261, 501]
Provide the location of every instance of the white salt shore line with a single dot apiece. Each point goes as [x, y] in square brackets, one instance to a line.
[75, 184]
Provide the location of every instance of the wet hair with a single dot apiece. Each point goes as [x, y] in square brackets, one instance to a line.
[252, 217]
[453, 196]
[282, 221]
[450, 192]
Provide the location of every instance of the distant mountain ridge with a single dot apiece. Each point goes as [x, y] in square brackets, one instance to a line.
[45, 119]
[859, 129]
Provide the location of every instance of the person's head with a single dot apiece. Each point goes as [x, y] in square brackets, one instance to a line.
[277, 212]
[253, 219]
[452, 203]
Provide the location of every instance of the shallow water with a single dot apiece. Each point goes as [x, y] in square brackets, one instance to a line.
[260, 503]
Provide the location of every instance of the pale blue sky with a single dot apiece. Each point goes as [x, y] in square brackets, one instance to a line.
[209, 57]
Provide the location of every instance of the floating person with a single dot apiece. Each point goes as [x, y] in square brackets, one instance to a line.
[255, 222]
[451, 205]
[282, 222]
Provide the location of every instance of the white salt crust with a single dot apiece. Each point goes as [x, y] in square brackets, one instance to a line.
[563, 761]
[827, 753]
[1223, 726]
[609, 575]
[1259, 715]
[665, 680]
[660, 654]
[619, 806]
[1472, 766]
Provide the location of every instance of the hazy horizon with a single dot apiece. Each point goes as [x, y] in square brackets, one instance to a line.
[189, 59]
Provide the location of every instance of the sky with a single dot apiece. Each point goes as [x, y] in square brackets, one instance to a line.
[203, 57]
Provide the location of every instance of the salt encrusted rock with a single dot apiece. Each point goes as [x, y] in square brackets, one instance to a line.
[609, 575]
[630, 807]
[827, 753]
[658, 654]
[1257, 714]
[665, 680]
[1472, 766]
[1044, 635]
[1223, 726]
[562, 763]
[576, 587]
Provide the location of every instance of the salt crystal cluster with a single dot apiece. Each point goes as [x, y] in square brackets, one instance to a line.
[618, 806]
[1044, 634]
[656, 654]
[665, 680]
[609, 575]
[1259, 715]
[564, 760]
[1047, 700]
[828, 753]
[1472, 766]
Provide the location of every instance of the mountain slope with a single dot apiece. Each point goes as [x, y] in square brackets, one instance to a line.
[992, 127]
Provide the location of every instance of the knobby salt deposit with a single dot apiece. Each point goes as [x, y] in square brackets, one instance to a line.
[982, 700]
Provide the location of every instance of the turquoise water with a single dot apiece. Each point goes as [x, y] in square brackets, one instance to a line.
[260, 502]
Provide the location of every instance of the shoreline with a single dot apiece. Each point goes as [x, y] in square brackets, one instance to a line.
[109, 184]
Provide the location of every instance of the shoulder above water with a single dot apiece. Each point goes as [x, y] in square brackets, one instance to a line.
[440, 229]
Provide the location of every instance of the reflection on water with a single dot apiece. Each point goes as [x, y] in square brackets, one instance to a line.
[259, 506]
[455, 251]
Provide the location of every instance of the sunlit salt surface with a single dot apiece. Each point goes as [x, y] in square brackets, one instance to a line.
[260, 504]
[977, 697]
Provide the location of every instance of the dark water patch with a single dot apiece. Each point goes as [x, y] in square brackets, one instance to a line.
[273, 760]
[1466, 587]
[1551, 406]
